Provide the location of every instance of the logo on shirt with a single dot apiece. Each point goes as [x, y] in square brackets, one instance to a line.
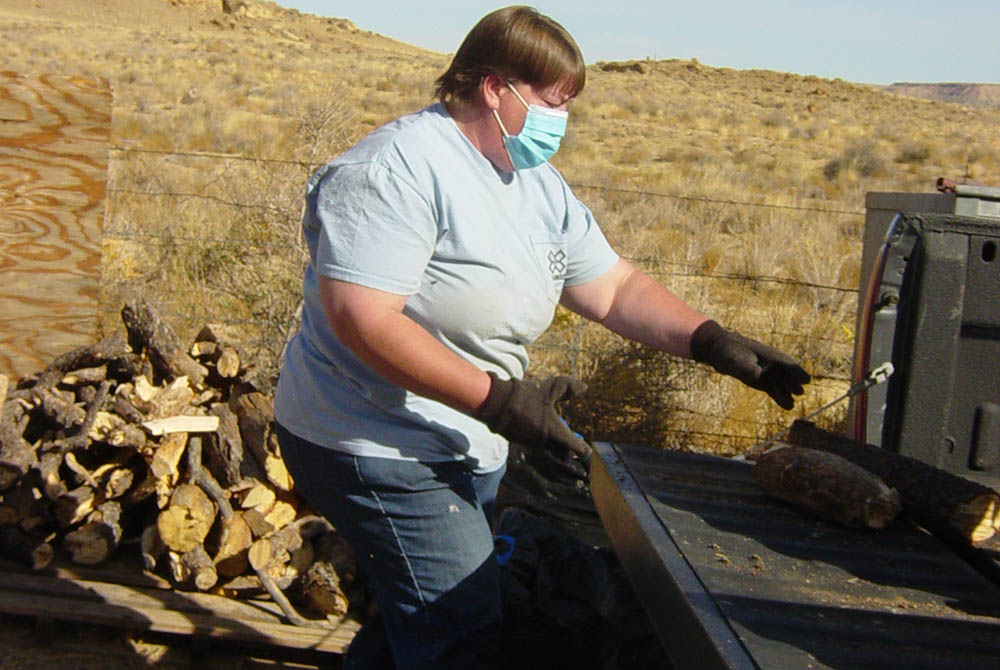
[557, 264]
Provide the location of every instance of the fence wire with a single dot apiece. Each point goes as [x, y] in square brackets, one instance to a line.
[164, 240]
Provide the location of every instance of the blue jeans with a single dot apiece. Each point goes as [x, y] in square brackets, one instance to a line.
[421, 533]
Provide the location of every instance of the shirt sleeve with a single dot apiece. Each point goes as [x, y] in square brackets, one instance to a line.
[373, 228]
[590, 255]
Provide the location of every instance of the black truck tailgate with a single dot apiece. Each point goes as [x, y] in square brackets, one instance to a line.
[731, 578]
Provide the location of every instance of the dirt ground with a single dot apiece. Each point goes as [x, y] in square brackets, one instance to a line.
[29, 644]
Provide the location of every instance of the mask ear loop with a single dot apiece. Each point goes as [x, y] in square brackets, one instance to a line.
[514, 91]
[503, 128]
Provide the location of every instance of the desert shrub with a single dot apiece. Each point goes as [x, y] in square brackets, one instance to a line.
[629, 397]
[915, 151]
[862, 157]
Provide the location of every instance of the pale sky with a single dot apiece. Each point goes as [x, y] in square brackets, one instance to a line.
[864, 41]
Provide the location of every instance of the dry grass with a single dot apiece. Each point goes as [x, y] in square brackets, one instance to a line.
[666, 153]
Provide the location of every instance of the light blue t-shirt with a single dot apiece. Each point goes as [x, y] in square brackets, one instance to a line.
[415, 209]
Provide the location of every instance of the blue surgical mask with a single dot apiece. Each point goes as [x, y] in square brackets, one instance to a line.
[539, 139]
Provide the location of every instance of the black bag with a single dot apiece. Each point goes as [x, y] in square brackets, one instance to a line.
[556, 593]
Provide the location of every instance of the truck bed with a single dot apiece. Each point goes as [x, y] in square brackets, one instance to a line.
[731, 578]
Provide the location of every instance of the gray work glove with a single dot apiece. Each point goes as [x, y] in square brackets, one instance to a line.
[756, 365]
[524, 411]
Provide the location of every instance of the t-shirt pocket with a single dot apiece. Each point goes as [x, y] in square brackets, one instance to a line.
[549, 250]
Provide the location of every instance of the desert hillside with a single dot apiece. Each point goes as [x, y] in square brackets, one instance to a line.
[743, 190]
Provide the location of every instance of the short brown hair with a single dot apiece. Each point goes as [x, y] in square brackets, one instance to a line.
[519, 44]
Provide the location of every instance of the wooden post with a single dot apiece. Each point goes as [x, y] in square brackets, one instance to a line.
[54, 133]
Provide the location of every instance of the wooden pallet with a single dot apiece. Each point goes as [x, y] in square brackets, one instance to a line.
[142, 604]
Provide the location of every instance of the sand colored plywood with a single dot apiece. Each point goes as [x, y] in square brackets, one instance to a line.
[54, 133]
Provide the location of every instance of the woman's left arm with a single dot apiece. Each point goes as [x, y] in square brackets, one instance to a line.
[629, 302]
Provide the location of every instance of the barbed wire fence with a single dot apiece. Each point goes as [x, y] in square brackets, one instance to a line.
[213, 238]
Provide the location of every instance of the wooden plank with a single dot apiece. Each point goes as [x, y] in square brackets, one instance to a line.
[165, 612]
[54, 133]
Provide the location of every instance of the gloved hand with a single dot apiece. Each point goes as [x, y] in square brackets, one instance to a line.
[756, 365]
[524, 411]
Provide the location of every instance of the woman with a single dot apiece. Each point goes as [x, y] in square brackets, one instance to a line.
[440, 246]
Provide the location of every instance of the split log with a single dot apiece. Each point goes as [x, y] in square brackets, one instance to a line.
[186, 521]
[255, 414]
[944, 503]
[265, 554]
[182, 424]
[105, 423]
[124, 408]
[330, 584]
[198, 475]
[194, 568]
[258, 524]
[94, 542]
[264, 523]
[228, 363]
[84, 376]
[223, 357]
[24, 548]
[83, 475]
[118, 482]
[280, 515]
[140, 393]
[231, 559]
[127, 436]
[85, 394]
[224, 453]
[151, 546]
[74, 506]
[147, 332]
[204, 350]
[60, 407]
[171, 399]
[17, 457]
[259, 496]
[82, 437]
[26, 505]
[48, 469]
[144, 490]
[166, 460]
[827, 485]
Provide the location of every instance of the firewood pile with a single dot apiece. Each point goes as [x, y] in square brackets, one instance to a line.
[138, 444]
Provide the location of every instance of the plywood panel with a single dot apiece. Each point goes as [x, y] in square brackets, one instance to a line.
[54, 133]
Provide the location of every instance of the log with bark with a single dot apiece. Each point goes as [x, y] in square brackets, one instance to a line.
[148, 333]
[24, 547]
[828, 486]
[331, 583]
[953, 507]
[255, 415]
[96, 540]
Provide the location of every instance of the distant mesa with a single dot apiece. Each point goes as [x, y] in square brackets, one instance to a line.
[974, 95]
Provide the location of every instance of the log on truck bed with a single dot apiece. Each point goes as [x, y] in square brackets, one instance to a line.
[731, 578]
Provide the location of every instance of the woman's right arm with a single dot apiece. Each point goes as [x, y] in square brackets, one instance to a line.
[371, 323]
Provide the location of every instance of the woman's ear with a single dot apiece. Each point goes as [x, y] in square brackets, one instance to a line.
[490, 88]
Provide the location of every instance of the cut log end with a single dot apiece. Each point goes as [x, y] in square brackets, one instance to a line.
[954, 508]
[979, 518]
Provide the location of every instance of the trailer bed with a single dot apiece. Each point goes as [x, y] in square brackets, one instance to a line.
[731, 578]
